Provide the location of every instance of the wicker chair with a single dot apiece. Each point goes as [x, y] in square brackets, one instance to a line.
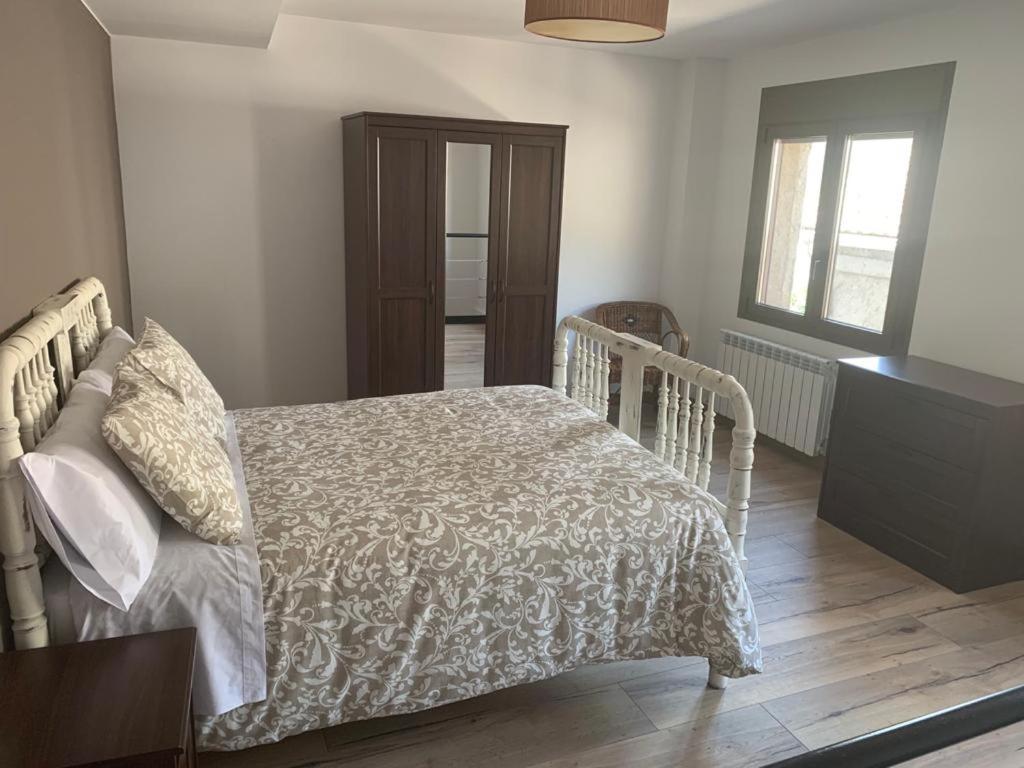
[646, 320]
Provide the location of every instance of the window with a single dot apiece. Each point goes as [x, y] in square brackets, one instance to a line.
[843, 182]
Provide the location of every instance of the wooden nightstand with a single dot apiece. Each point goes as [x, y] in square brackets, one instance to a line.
[120, 702]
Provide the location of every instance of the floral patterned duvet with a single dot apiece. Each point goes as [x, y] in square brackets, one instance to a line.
[422, 549]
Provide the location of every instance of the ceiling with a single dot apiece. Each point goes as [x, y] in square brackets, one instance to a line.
[229, 22]
[696, 27]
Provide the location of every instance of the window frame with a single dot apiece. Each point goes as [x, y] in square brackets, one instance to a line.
[927, 129]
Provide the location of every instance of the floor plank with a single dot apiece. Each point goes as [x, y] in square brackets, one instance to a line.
[679, 696]
[501, 738]
[771, 550]
[740, 739]
[977, 622]
[851, 707]
[782, 519]
[818, 611]
[822, 540]
[508, 699]
[799, 572]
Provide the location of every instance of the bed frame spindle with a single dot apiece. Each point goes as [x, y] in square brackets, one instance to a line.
[693, 451]
[577, 372]
[604, 376]
[684, 429]
[661, 432]
[588, 373]
[673, 423]
[704, 463]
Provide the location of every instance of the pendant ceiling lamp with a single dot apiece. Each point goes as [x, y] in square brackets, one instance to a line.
[598, 21]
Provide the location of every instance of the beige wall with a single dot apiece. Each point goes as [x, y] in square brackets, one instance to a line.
[61, 216]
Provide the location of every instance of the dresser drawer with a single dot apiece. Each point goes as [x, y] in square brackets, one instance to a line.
[908, 419]
[893, 463]
[895, 519]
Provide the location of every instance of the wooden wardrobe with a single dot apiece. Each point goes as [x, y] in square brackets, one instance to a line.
[394, 178]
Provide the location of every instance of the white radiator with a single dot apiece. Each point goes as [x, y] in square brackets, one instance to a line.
[791, 391]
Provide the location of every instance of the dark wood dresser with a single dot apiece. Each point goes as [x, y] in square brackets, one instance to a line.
[111, 703]
[925, 463]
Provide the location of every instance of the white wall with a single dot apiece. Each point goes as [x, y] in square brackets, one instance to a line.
[969, 312]
[231, 160]
[691, 200]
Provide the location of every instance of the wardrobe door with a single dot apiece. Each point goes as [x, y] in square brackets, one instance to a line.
[403, 266]
[526, 286]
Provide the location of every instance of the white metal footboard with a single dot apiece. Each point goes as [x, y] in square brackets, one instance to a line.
[684, 434]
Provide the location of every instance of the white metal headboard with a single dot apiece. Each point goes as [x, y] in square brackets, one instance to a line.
[38, 363]
[684, 434]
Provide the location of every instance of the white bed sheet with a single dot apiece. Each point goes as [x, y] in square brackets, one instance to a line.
[216, 589]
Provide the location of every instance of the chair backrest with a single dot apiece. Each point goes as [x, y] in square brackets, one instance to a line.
[645, 319]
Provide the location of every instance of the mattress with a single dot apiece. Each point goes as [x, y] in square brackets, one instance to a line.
[422, 549]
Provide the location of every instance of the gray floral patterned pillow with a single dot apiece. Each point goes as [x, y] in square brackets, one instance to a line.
[184, 469]
[159, 354]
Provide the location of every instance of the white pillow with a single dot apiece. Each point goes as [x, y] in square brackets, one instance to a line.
[89, 507]
[100, 373]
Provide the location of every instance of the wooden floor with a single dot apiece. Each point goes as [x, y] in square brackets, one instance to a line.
[853, 641]
[463, 356]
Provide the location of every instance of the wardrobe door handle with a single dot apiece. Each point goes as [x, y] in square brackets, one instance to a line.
[500, 290]
[430, 290]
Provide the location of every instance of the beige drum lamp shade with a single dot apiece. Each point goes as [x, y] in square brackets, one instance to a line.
[598, 21]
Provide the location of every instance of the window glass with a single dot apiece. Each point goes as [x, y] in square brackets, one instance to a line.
[870, 210]
[790, 222]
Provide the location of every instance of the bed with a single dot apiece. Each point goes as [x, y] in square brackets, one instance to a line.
[422, 549]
